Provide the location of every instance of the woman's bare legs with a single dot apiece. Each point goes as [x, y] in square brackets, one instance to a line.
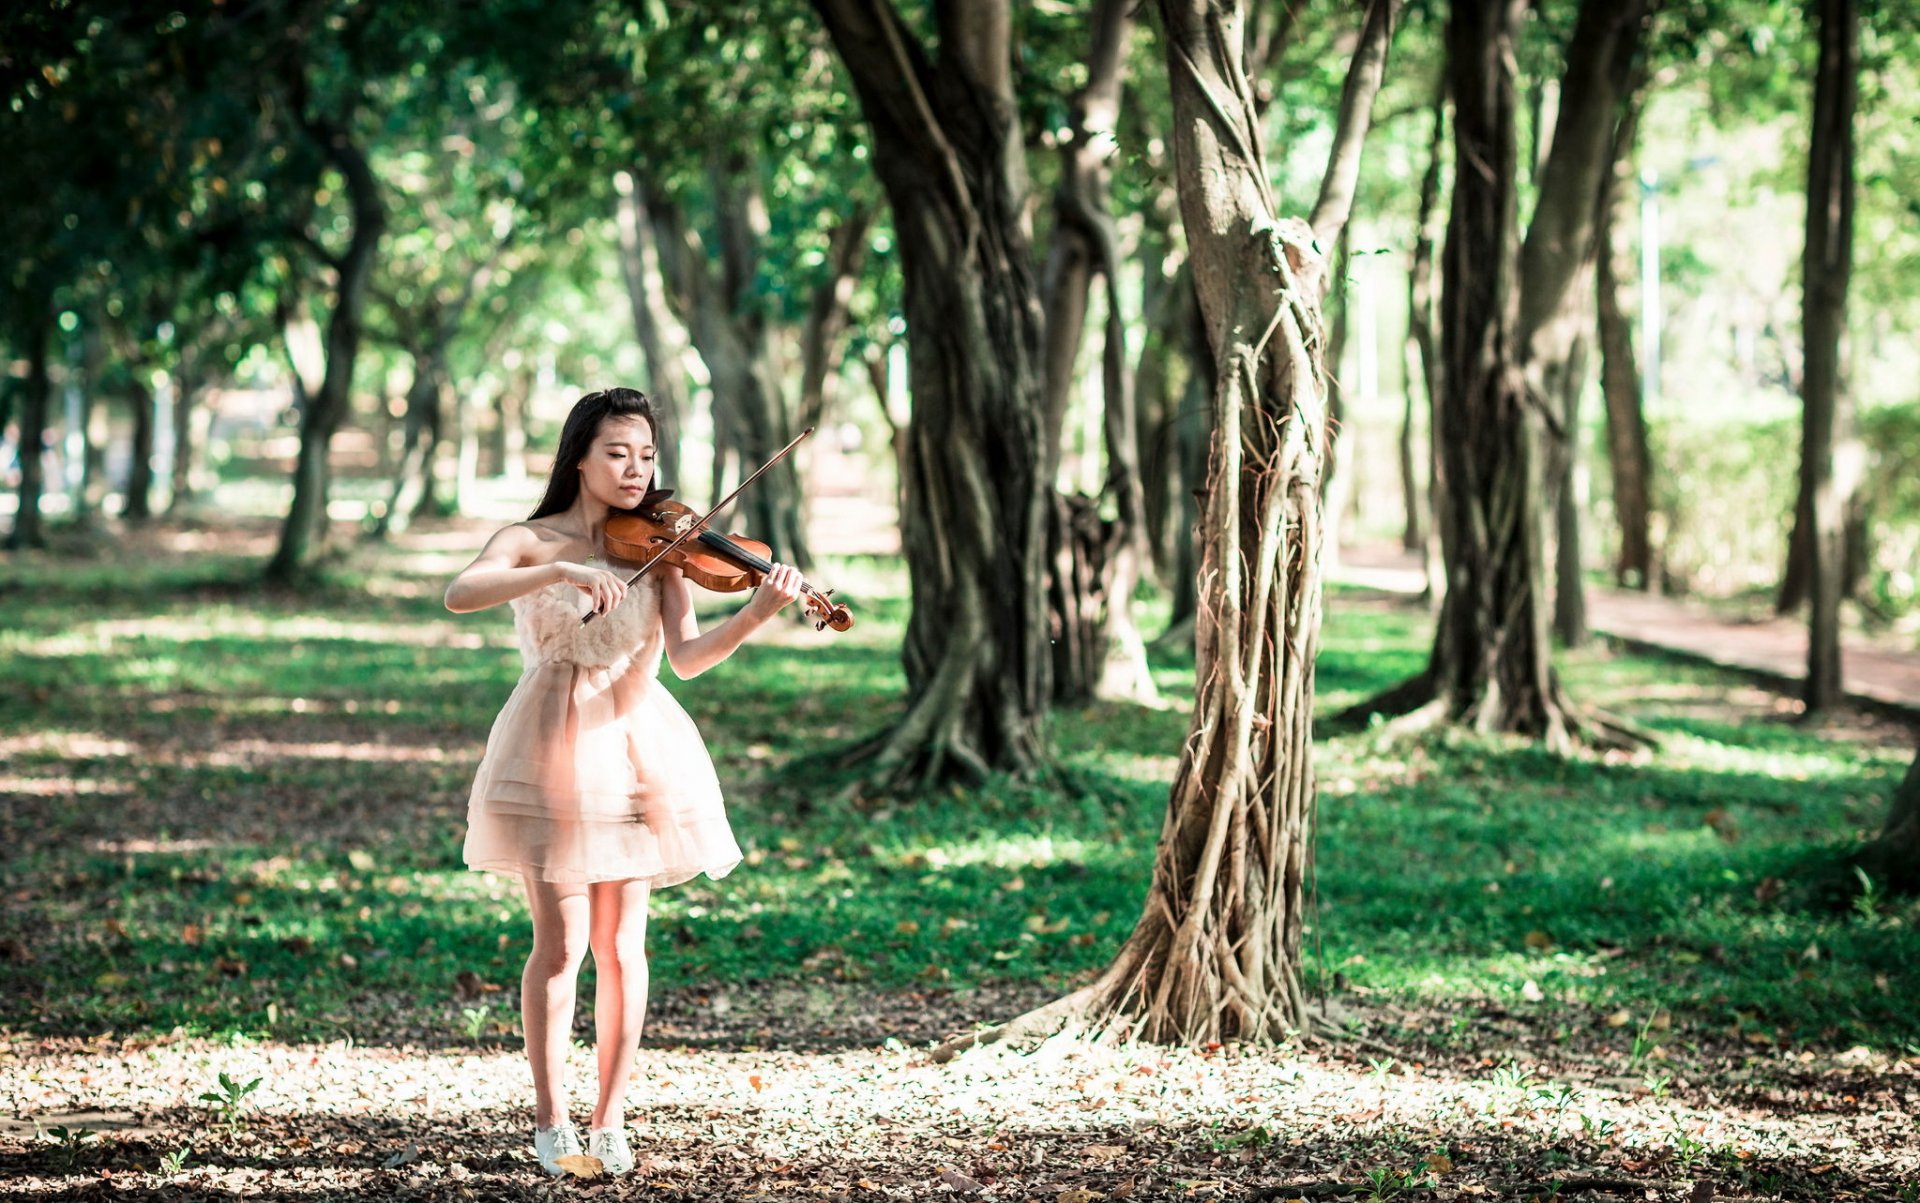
[619, 938]
[560, 939]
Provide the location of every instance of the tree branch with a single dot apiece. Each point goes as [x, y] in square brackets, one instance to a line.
[1364, 73]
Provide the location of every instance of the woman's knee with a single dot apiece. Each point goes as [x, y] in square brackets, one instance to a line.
[557, 954]
[626, 954]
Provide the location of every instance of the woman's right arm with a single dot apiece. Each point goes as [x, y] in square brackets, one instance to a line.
[506, 568]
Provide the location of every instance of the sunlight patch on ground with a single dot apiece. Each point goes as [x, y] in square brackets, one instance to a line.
[62, 787]
[65, 745]
[160, 846]
[834, 1114]
[1018, 852]
[1704, 755]
[246, 752]
[204, 625]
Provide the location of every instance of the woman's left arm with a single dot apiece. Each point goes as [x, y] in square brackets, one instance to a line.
[692, 652]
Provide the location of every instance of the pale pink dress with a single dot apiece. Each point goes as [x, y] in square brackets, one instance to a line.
[593, 772]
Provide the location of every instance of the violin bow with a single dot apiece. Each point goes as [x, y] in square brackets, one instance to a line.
[701, 523]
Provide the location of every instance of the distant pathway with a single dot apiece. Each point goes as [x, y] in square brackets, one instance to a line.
[1776, 648]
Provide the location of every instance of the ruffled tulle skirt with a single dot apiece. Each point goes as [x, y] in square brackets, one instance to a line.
[597, 774]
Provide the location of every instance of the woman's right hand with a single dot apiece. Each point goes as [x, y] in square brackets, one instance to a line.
[603, 588]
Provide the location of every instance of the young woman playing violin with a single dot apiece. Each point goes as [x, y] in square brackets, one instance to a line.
[596, 787]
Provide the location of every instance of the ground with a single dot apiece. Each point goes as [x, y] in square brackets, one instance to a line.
[230, 825]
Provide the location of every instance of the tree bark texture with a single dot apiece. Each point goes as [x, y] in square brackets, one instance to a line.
[948, 151]
[1215, 955]
[1095, 563]
[28, 527]
[1628, 457]
[1830, 453]
[325, 408]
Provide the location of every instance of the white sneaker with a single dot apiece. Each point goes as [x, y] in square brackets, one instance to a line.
[610, 1146]
[551, 1144]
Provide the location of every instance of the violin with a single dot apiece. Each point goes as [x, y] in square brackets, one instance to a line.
[657, 529]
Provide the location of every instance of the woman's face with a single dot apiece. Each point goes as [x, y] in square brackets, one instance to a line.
[618, 468]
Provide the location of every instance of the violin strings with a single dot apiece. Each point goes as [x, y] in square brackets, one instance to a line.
[722, 543]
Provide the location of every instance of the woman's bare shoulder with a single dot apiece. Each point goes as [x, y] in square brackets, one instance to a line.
[524, 543]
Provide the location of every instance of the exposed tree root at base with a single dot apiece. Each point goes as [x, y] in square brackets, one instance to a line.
[1414, 707]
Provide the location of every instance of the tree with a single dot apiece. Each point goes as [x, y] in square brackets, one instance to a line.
[948, 152]
[328, 123]
[1829, 452]
[1423, 357]
[1096, 562]
[1628, 457]
[1216, 952]
[1894, 856]
[1510, 322]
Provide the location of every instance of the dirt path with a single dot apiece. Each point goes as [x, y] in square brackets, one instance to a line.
[1775, 649]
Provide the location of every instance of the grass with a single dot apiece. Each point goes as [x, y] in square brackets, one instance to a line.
[239, 813]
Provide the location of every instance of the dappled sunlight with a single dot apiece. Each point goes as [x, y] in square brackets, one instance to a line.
[202, 626]
[1155, 770]
[63, 787]
[1007, 852]
[65, 745]
[229, 753]
[245, 752]
[142, 846]
[742, 1119]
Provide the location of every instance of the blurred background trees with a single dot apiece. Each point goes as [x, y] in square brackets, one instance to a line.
[342, 266]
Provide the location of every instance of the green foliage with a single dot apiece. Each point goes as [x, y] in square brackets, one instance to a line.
[72, 1143]
[275, 784]
[229, 1100]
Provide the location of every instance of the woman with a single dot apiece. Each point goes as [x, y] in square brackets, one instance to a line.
[595, 786]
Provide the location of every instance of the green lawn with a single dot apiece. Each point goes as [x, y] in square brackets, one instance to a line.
[239, 812]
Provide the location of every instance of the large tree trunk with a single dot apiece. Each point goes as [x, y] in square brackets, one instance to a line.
[1893, 858]
[326, 408]
[1215, 955]
[1097, 649]
[1510, 324]
[1628, 456]
[1830, 455]
[948, 151]
[28, 529]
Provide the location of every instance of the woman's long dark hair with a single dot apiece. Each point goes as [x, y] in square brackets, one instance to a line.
[576, 439]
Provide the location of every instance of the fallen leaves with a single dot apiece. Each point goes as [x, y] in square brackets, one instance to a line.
[581, 1165]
